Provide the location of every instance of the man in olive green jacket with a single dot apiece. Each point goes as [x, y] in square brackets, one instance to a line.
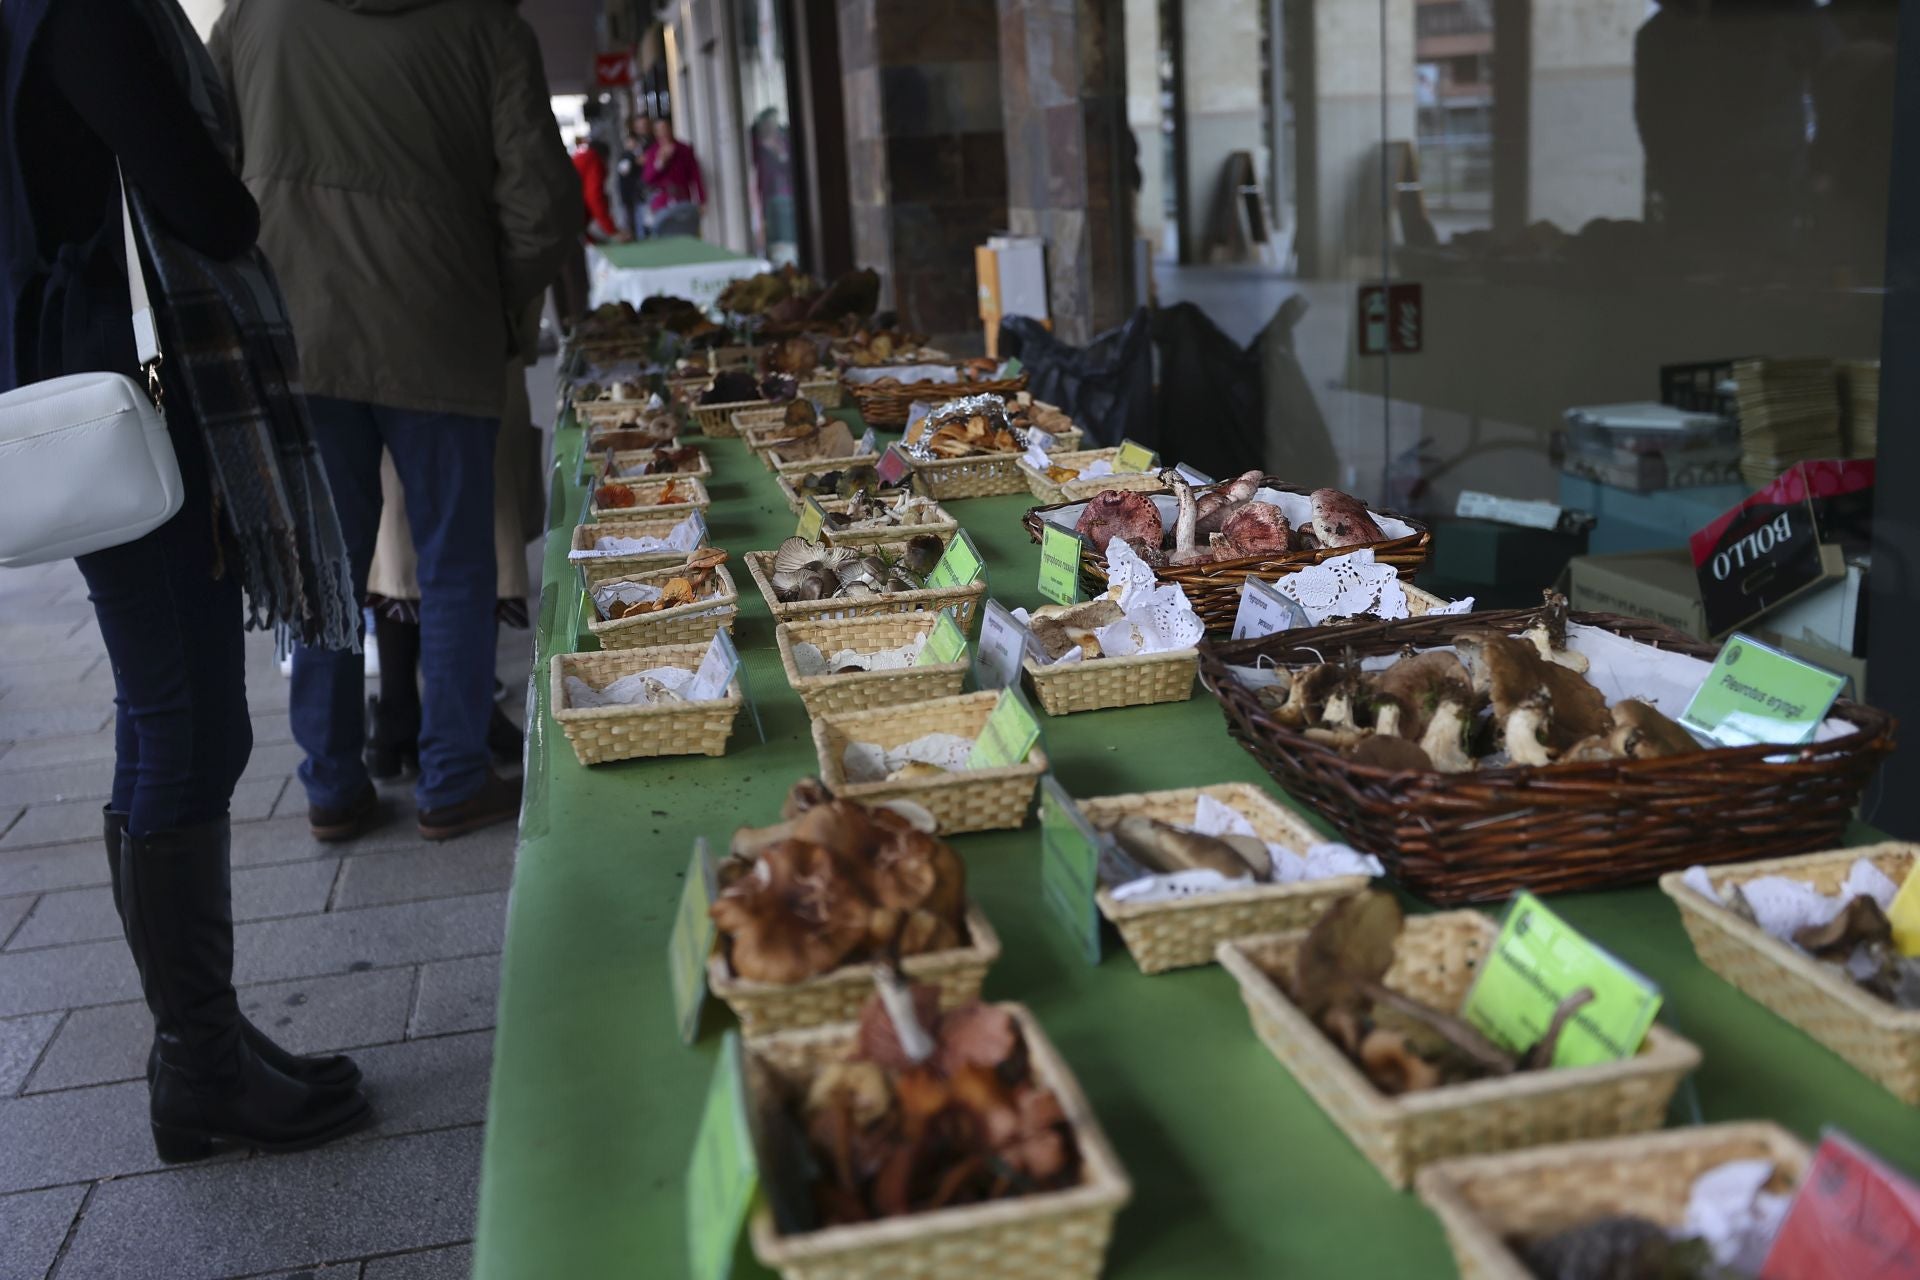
[414, 198]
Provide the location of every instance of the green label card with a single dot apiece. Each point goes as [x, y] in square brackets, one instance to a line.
[946, 643]
[1007, 736]
[1755, 693]
[691, 942]
[1070, 866]
[1538, 961]
[812, 516]
[1133, 457]
[960, 565]
[1059, 563]
[723, 1175]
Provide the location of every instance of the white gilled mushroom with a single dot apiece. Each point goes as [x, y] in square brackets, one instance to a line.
[1527, 729]
[1642, 732]
[1444, 740]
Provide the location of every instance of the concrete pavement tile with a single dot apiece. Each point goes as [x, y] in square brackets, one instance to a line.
[271, 727]
[88, 693]
[274, 760]
[335, 1271]
[12, 912]
[68, 750]
[34, 1225]
[309, 1015]
[456, 995]
[52, 671]
[80, 819]
[259, 893]
[66, 977]
[85, 780]
[427, 1084]
[351, 941]
[81, 1135]
[472, 864]
[429, 1264]
[57, 866]
[21, 1040]
[231, 1219]
[54, 722]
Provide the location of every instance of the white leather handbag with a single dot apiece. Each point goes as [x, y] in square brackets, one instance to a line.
[85, 461]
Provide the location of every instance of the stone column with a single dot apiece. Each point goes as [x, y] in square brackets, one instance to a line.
[926, 155]
[1063, 90]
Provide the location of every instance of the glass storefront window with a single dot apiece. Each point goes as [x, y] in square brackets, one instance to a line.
[759, 27]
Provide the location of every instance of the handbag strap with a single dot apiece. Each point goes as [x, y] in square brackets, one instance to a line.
[146, 334]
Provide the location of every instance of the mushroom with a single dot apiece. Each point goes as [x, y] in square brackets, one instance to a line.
[1256, 529]
[1444, 740]
[1589, 750]
[1406, 695]
[1119, 514]
[1527, 727]
[1213, 508]
[792, 917]
[1548, 634]
[1338, 712]
[1342, 520]
[1392, 1065]
[1506, 670]
[1307, 695]
[1059, 628]
[1642, 732]
[1384, 751]
[1184, 550]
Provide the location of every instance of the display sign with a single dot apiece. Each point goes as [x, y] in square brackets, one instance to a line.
[960, 564]
[1536, 963]
[1853, 1218]
[1059, 563]
[1004, 645]
[946, 643]
[691, 942]
[1070, 866]
[1904, 914]
[718, 666]
[722, 1176]
[868, 442]
[812, 517]
[1392, 319]
[1198, 479]
[1133, 457]
[611, 70]
[1265, 609]
[1755, 693]
[1008, 735]
[892, 467]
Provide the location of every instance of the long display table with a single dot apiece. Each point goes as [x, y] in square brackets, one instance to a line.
[1236, 1171]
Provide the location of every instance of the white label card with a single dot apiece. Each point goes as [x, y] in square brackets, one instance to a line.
[869, 443]
[1265, 609]
[716, 670]
[1004, 643]
[1193, 477]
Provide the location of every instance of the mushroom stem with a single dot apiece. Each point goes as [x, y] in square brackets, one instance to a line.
[1527, 729]
[1442, 740]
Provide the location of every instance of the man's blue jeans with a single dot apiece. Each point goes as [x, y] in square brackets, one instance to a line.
[445, 464]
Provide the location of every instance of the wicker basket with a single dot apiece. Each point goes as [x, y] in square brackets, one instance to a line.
[619, 566]
[825, 389]
[1486, 1201]
[859, 690]
[943, 527]
[965, 800]
[1050, 1235]
[889, 406]
[1880, 1040]
[1483, 836]
[1056, 492]
[683, 624]
[795, 501]
[985, 475]
[685, 388]
[807, 466]
[765, 1008]
[694, 491]
[1098, 683]
[964, 600]
[607, 414]
[1214, 589]
[1435, 961]
[715, 421]
[639, 457]
[1185, 932]
[761, 428]
[600, 734]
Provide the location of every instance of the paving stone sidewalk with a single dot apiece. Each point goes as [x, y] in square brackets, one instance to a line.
[388, 947]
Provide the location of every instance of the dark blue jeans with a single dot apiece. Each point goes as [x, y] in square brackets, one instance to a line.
[445, 463]
[174, 634]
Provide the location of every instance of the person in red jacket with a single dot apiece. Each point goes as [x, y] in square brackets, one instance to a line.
[590, 162]
[673, 175]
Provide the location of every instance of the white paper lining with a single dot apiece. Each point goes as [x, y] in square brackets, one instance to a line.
[1212, 817]
[871, 762]
[683, 537]
[808, 660]
[1352, 586]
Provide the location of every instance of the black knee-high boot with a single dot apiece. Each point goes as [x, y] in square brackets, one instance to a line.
[209, 1086]
[393, 718]
[335, 1069]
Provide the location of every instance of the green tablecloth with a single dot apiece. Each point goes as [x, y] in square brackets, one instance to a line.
[1236, 1171]
[665, 251]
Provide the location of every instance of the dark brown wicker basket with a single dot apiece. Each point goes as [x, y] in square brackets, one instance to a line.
[1456, 838]
[889, 406]
[1214, 589]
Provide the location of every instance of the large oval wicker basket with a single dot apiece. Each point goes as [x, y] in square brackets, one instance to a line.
[889, 405]
[1483, 836]
[1214, 589]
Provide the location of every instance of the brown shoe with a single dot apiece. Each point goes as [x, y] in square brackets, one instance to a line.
[349, 821]
[497, 800]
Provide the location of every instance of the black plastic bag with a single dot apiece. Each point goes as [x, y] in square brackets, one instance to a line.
[1106, 386]
[1211, 410]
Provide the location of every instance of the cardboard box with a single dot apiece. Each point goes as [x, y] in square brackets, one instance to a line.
[1782, 540]
[1659, 586]
[1020, 275]
[986, 266]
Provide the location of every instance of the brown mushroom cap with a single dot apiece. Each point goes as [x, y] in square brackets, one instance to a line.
[1420, 682]
[1659, 736]
[1342, 520]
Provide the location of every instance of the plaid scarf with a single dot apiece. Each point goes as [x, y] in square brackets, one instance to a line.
[228, 342]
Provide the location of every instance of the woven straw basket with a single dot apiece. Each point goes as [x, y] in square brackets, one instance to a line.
[859, 690]
[1455, 838]
[985, 475]
[1185, 932]
[1880, 1040]
[943, 527]
[692, 623]
[761, 428]
[685, 388]
[806, 466]
[1435, 962]
[965, 800]
[796, 500]
[600, 734]
[607, 414]
[825, 389]
[1050, 1235]
[715, 421]
[1053, 492]
[599, 570]
[1486, 1201]
[1097, 683]
[765, 1008]
[890, 406]
[639, 457]
[691, 489]
[965, 601]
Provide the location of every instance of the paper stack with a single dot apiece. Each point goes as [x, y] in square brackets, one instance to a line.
[1789, 412]
[1860, 399]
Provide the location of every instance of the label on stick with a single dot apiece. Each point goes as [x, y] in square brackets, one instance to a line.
[691, 942]
[812, 517]
[960, 564]
[1265, 609]
[1755, 693]
[892, 467]
[1070, 866]
[946, 643]
[722, 1175]
[1004, 645]
[1059, 563]
[1007, 736]
[1133, 457]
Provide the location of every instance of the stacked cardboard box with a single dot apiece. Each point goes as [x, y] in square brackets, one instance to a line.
[1789, 412]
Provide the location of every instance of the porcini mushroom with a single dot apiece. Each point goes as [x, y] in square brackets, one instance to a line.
[1527, 727]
